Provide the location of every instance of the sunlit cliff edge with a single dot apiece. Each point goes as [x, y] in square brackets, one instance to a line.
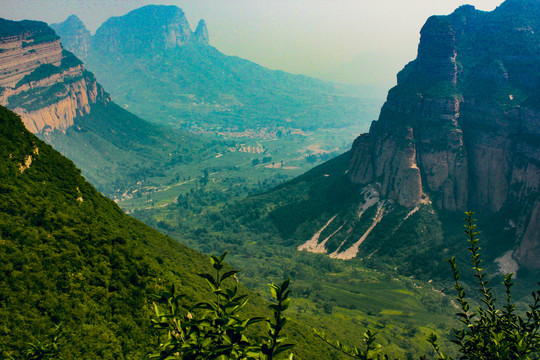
[43, 83]
[462, 127]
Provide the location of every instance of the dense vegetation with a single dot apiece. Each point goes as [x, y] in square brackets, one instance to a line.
[117, 149]
[494, 330]
[70, 256]
[215, 328]
[13, 28]
[263, 233]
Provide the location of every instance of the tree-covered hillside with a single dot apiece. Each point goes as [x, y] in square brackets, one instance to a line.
[116, 149]
[70, 256]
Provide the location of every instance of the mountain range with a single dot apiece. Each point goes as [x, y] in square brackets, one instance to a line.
[459, 132]
[153, 63]
[60, 101]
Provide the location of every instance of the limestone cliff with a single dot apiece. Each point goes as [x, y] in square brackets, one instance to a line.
[462, 127]
[43, 83]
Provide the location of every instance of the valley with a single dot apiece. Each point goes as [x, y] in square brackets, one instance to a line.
[358, 203]
[249, 163]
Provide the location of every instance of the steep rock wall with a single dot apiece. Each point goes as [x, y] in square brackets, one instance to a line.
[43, 83]
[462, 127]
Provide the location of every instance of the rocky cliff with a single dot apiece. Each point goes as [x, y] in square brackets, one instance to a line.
[43, 83]
[462, 127]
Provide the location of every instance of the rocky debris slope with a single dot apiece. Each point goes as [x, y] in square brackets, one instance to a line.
[462, 127]
[43, 83]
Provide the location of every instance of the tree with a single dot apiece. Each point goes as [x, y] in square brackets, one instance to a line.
[39, 350]
[491, 332]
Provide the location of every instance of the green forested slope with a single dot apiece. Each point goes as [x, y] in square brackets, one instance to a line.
[70, 256]
[117, 149]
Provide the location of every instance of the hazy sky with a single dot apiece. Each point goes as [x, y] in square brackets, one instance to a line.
[356, 41]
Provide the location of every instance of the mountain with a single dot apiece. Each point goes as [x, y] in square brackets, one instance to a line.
[47, 85]
[459, 132]
[461, 129]
[70, 256]
[60, 101]
[156, 66]
[145, 30]
[75, 35]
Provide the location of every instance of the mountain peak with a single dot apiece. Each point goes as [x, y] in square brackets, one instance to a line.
[74, 35]
[201, 33]
[148, 28]
[74, 20]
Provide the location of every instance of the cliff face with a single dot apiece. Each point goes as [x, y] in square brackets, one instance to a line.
[43, 83]
[462, 127]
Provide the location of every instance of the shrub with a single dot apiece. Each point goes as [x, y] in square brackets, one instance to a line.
[489, 333]
[214, 329]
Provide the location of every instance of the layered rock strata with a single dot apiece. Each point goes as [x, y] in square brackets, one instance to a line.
[48, 86]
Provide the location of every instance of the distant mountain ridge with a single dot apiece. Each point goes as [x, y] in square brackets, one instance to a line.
[152, 61]
[148, 28]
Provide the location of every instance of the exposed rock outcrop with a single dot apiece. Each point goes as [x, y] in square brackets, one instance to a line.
[201, 33]
[22, 52]
[462, 127]
[43, 83]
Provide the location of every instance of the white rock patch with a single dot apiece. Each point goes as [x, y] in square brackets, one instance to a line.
[507, 264]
